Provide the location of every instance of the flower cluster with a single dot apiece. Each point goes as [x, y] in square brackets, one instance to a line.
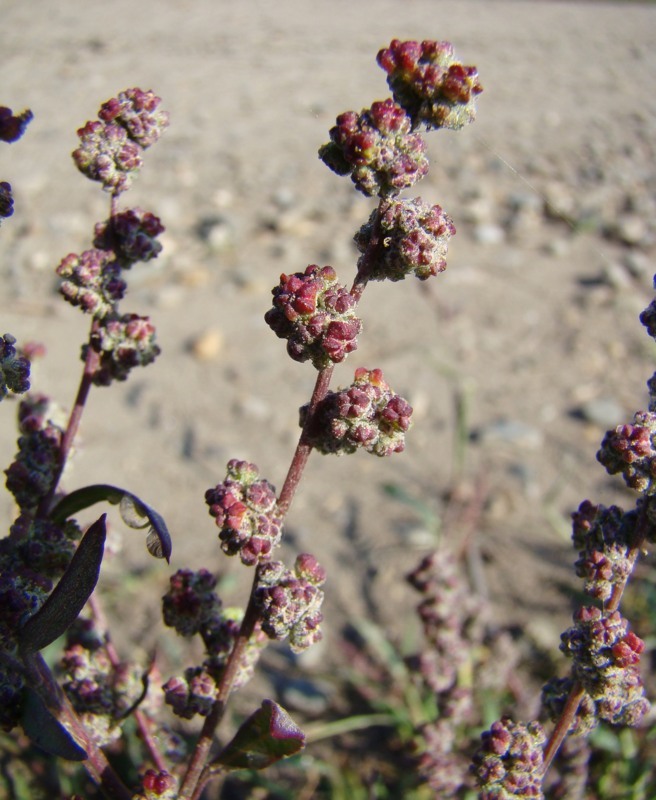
[91, 281]
[435, 89]
[316, 315]
[606, 657]
[414, 240]
[246, 513]
[157, 786]
[604, 538]
[122, 343]
[131, 235]
[555, 694]
[101, 692]
[508, 763]
[452, 624]
[14, 368]
[290, 601]
[12, 126]
[191, 694]
[111, 147]
[630, 450]
[377, 148]
[6, 200]
[30, 476]
[191, 605]
[366, 415]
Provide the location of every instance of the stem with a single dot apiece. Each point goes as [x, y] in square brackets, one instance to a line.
[90, 367]
[303, 449]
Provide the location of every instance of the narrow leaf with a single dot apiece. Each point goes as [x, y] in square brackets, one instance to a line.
[134, 512]
[264, 738]
[67, 599]
[46, 731]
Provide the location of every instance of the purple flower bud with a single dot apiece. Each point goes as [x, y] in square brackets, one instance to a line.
[377, 149]
[190, 603]
[192, 694]
[131, 236]
[12, 126]
[6, 200]
[158, 786]
[429, 84]
[246, 513]
[366, 414]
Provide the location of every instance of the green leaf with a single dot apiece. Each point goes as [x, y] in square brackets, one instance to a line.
[264, 738]
[134, 512]
[67, 599]
[45, 731]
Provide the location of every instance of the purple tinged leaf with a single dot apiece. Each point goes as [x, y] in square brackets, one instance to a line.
[68, 598]
[264, 738]
[134, 512]
[45, 731]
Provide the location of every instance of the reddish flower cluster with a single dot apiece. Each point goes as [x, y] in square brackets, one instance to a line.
[92, 281]
[432, 87]
[316, 315]
[606, 657]
[246, 513]
[192, 694]
[190, 605]
[131, 235]
[122, 342]
[414, 240]
[377, 148]
[158, 786]
[14, 369]
[110, 149]
[290, 601]
[629, 450]
[509, 761]
[603, 537]
[367, 414]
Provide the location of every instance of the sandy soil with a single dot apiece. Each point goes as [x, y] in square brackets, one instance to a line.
[533, 328]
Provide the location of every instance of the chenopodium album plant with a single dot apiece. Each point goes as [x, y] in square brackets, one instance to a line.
[382, 150]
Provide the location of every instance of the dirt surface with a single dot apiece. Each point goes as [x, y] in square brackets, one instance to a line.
[532, 330]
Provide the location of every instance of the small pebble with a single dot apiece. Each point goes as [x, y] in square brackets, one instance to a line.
[208, 345]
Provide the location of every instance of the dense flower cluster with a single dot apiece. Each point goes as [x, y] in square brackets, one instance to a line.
[12, 126]
[191, 605]
[246, 513]
[30, 476]
[92, 281]
[191, 694]
[366, 415]
[122, 342]
[377, 148]
[508, 764]
[415, 239]
[290, 601]
[14, 368]
[604, 537]
[131, 235]
[555, 693]
[6, 200]
[111, 147]
[435, 89]
[630, 450]
[316, 315]
[606, 657]
[101, 692]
